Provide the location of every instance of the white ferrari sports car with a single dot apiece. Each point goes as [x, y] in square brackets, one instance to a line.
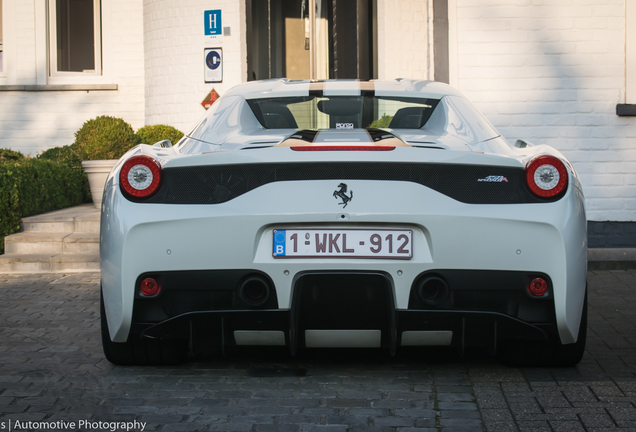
[344, 213]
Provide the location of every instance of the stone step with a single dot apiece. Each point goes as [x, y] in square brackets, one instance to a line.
[65, 240]
[75, 262]
[28, 263]
[41, 263]
[82, 218]
[30, 243]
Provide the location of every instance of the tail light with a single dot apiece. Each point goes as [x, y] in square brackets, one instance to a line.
[140, 177]
[546, 176]
[150, 287]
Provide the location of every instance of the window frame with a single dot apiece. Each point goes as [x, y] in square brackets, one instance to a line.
[266, 56]
[630, 52]
[3, 65]
[52, 39]
[628, 108]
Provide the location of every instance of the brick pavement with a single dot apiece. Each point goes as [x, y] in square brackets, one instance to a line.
[52, 369]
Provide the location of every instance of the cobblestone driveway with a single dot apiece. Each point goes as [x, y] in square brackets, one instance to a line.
[52, 369]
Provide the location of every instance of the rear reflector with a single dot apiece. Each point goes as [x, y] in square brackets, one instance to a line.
[343, 148]
[538, 287]
[150, 287]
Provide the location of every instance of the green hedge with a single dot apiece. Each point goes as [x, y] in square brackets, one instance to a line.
[154, 133]
[104, 137]
[382, 122]
[63, 154]
[10, 155]
[31, 186]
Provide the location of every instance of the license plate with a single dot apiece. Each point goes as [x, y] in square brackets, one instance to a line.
[353, 243]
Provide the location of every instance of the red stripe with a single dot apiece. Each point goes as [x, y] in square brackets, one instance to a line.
[342, 148]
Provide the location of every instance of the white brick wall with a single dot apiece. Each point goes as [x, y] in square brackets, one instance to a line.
[403, 39]
[174, 38]
[23, 41]
[553, 72]
[34, 121]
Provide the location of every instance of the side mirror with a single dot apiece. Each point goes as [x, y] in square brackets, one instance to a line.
[523, 144]
[163, 144]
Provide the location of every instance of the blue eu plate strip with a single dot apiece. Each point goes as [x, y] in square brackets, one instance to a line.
[279, 242]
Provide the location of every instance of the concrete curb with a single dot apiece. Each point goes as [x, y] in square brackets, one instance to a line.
[611, 258]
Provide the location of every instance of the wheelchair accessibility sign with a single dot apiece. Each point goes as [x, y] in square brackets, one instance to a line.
[213, 65]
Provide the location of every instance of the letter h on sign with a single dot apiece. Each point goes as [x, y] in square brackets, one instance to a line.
[212, 22]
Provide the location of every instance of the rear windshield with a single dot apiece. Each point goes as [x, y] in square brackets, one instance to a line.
[342, 112]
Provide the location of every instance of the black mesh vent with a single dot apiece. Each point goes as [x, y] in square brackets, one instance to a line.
[471, 184]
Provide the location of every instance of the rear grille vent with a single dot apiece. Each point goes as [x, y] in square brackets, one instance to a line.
[215, 184]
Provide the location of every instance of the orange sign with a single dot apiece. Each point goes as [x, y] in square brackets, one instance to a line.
[210, 99]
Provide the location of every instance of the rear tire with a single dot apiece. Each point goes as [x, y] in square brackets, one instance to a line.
[138, 351]
[550, 353]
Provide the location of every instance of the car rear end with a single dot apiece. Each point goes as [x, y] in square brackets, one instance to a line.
[331, 246]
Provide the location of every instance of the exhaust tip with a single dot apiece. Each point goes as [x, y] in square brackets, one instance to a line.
[254, 291]
[432, 290]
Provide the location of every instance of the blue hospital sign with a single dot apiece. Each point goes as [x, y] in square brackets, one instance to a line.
[212, 23]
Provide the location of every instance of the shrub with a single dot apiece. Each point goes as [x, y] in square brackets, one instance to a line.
[104, 137]
[382, 122]
[31, 186]
[10, 155]
[63, 155]
[155, 133]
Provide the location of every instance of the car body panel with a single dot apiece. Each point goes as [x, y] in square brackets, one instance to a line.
[487, 233]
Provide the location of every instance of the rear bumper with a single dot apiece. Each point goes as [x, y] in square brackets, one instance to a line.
[344, 309]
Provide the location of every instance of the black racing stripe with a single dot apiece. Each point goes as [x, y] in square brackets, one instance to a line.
[316, 89]
[305, 135]
[367, 89]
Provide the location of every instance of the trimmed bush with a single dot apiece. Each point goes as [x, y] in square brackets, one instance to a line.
[155, 133]
[10, 155]
[65, 155]
[62, 155]
[382, 122]
[33, 185]
[104, 137]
